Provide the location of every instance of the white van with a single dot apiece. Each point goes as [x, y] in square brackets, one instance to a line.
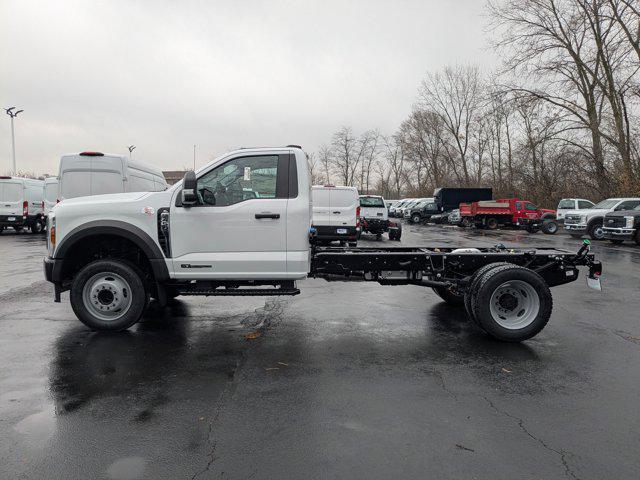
[51, 194]
[95, 173]
[21, 204]
[336, 214]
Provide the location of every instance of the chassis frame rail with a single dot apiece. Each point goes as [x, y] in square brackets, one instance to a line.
[445, 266]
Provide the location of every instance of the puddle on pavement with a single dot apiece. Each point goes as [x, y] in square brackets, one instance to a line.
[38, 427]
[128, 468]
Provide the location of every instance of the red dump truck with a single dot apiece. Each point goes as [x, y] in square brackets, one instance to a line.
[508, 212]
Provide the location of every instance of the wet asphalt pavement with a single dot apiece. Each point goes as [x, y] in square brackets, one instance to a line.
[346, 380]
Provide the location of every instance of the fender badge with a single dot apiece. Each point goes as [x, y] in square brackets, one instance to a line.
[148, 210]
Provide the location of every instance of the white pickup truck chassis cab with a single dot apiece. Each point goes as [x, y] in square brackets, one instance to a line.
[241, 226]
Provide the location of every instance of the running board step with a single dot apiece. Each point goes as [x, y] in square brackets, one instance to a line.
[242, 292]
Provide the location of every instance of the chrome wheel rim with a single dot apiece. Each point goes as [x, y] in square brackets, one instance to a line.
[514, 304]
[107, 296]
[598, 232]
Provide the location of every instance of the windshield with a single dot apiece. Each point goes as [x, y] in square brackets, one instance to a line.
[566, 204]
[371, 202]
[609, 203]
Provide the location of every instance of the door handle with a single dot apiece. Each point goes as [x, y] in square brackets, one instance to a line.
[268, 215]
[337, 213]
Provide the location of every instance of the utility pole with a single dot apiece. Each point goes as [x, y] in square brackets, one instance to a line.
[12, 114]
[131, 148]
[194, 158]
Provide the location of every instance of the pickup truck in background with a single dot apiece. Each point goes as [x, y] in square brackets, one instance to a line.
[622, 225]
[567, 204]
[590, 220]
[509, 212]
[204, 236]
[374, 218]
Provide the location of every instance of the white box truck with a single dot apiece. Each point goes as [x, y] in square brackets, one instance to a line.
[95, 173]
[21, 204]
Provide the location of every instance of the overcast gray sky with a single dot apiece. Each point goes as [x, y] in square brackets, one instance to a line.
[95, 75]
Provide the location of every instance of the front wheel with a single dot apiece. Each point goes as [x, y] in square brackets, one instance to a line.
[596, 231]
[415, 218]
[492, 223]
[512, 303]
[109, 295]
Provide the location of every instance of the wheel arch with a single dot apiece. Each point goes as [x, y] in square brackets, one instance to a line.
[104, 229]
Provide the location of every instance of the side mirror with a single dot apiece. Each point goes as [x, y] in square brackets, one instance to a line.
[189, 186]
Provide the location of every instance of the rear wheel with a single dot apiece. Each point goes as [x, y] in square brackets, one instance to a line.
[473, 285]
[512, 303]
[550, 227]
[452, 297]
[492, 223]
[36, 227]
[109, 295]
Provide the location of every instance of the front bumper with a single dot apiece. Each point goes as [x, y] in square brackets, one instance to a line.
[575, 227]
[620, 233]
[53, 273]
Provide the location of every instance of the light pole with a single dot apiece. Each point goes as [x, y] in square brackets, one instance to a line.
[131, 148]
[12, 114]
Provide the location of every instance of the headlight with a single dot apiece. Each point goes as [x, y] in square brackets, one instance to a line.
[583, 219]
[628, 222]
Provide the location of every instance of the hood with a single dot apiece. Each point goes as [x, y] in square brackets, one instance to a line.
[588, 211]
[624, 213]
[547, 210]
[106, 198]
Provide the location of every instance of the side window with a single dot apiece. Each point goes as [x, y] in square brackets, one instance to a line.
[240, 179]
[628, 205]
[530, 206]
[518, 206]
[584, 204]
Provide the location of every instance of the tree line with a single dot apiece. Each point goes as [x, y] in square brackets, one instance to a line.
[561, 118]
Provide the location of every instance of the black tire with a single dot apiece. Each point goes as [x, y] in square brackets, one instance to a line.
[415, 218]
[616, 241]
[36, 227]
[449, 296]
[137, 290]
[637, 237]
[491, 223]
[515, 279]
[596, 231]
[473, 286]
[550, 227]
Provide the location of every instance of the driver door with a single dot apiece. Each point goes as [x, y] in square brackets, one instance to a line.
[237, 230]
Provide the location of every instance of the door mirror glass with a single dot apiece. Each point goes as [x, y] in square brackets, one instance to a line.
[189, 184]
